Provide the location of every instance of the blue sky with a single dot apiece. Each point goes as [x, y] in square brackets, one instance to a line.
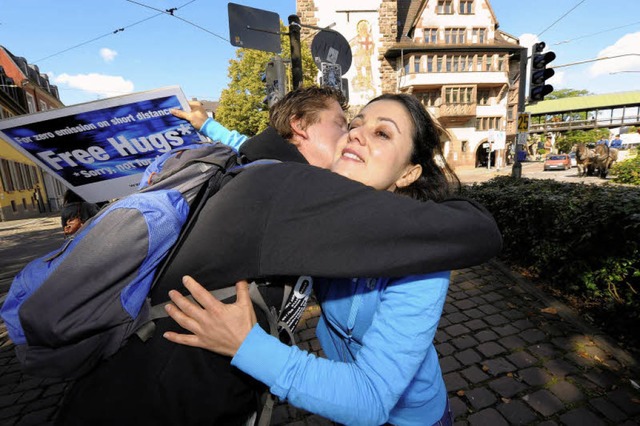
[164, 50]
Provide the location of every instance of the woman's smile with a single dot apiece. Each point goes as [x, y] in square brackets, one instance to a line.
[350, 154]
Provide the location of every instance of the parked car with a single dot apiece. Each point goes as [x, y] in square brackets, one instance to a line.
[557, 162]
[572, 157]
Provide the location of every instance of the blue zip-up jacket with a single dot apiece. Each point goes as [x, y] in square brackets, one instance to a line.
[382, 366]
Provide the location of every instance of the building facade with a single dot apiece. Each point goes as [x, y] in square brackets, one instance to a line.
[448, 53]
[25, 189]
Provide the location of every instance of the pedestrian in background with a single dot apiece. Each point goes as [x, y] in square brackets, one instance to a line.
[616, 142]
[75, 212]
[603, 141]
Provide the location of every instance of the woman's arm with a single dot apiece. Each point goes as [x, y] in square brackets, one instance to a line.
[394, 348]
[209, 127]
[218, 133]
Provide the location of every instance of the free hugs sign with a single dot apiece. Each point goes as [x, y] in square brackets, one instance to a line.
[99, 149]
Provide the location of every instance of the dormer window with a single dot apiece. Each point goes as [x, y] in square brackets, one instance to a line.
[445, 7]
[466, 7]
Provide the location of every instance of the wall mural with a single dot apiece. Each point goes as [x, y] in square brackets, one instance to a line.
[362, 47]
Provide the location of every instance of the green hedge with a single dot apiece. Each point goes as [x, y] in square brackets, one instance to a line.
[582, 239]
[627, 171]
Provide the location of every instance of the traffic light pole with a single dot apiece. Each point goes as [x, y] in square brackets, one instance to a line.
[516, 169]
[296, 55]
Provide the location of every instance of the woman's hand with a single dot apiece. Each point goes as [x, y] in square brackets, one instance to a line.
[216, 326]
[197, 116]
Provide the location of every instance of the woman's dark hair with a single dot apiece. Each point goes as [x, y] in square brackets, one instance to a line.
[438, 180]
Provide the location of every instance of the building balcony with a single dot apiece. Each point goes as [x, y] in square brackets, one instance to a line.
[424, 79]
[452, 114]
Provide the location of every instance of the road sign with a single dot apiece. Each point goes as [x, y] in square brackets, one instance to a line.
[330, 46]
[332, 75]
[522, 138]
[524, 118]
[254, 28]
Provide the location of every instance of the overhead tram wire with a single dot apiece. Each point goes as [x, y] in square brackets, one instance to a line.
[560, 18]
[596, 33]
[170, 12]
[106, 35]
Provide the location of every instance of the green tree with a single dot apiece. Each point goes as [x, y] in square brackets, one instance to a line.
[567, 93]
[566, 141]
[242, 106]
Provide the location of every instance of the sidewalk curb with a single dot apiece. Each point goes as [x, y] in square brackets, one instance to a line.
[569, 315]
[8, 225]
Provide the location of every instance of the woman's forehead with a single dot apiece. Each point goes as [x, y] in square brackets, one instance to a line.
[386, 109]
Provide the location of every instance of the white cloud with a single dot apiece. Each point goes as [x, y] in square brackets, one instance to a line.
[558, 79]
[628, 44]
[527, 40]
[99, 84]
[107, 54]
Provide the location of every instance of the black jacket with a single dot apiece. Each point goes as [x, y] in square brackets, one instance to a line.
[274, 220]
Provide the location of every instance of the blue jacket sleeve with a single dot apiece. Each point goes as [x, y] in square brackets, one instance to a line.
[218, 133]
[211, 129]
[395, 347]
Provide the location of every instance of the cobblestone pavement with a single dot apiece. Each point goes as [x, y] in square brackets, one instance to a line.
[509, 353]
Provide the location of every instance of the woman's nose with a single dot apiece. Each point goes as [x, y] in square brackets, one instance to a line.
[356, 136]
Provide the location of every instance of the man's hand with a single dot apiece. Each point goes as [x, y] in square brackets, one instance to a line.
[216, 326]
[197, 116]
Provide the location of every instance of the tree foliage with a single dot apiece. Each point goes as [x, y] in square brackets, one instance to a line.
[567, 93]
[242, 106]
[566, 141]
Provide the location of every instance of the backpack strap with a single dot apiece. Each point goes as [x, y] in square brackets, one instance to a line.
[206, 191]
[230, 169]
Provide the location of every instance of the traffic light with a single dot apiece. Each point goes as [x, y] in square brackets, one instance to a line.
[275, 79]
[539, 73]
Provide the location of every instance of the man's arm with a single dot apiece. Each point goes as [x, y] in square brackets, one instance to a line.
[292, 219]
[355, 230]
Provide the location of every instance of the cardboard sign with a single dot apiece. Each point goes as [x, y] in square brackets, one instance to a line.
[99, 149]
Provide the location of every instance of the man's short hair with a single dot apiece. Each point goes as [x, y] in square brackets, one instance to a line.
[304, 104]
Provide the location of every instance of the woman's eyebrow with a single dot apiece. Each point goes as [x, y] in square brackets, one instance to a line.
[390, 121]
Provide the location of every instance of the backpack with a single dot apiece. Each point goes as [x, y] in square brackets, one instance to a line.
[70, 309]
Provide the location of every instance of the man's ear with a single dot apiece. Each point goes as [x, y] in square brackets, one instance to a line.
[411, 174]
[298, 130]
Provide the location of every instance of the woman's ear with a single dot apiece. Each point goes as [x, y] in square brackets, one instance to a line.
[411, 174]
